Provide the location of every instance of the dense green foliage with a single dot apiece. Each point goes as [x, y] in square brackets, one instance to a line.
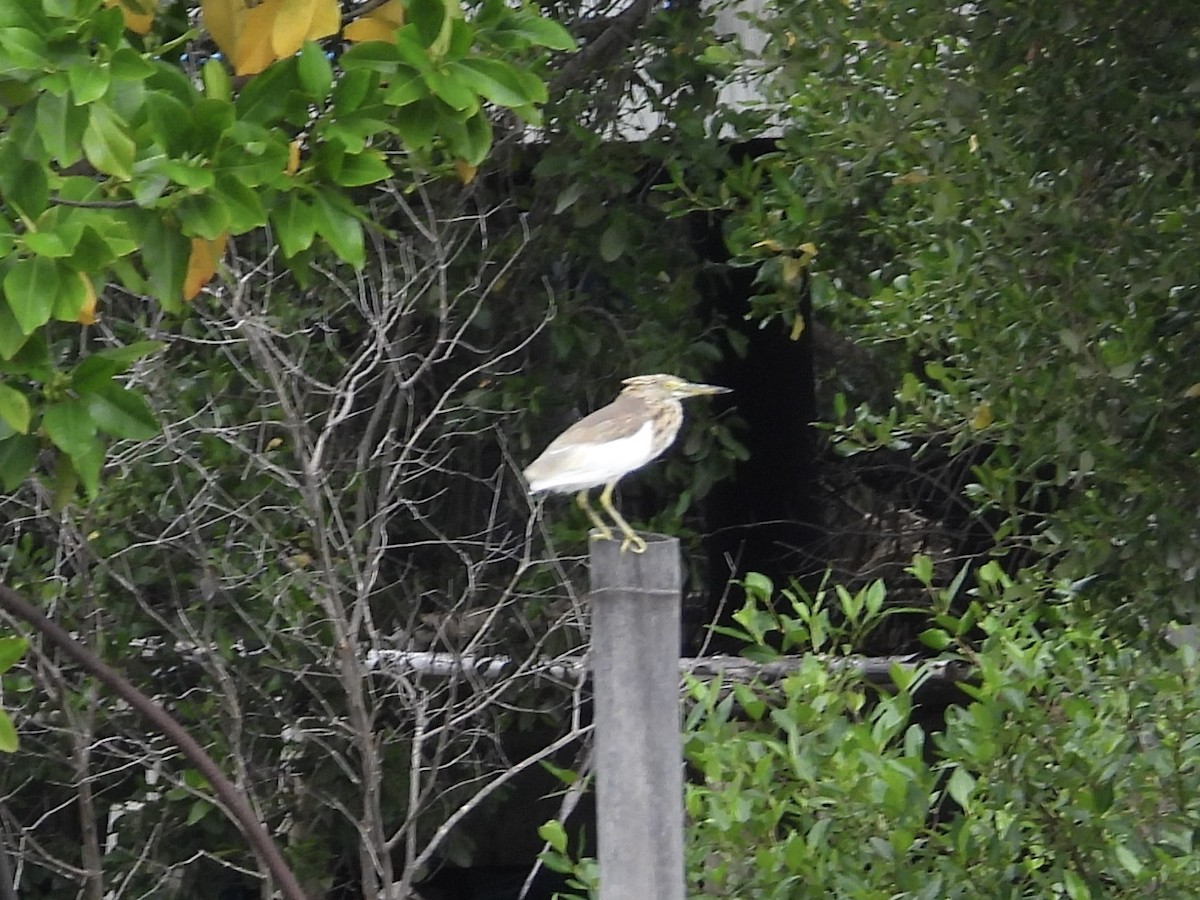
[1070, 773]
[1002, 200]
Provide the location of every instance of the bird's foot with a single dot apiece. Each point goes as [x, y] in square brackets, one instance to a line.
[604, 533]
[634, 542]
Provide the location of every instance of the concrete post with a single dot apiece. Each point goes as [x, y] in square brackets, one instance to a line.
[639, 753]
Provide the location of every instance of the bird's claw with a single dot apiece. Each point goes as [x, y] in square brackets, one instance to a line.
[633, 542]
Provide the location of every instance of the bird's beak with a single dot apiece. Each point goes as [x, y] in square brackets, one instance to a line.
[695, 390]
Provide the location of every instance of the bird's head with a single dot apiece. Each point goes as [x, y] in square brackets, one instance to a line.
[655, 387]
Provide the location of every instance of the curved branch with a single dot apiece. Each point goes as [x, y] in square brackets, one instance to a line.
[235, 804]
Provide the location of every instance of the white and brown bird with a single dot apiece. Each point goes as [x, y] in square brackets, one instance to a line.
[612, 442]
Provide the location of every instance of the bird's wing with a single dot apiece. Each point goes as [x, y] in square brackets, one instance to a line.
[595, 450]
[619, 419]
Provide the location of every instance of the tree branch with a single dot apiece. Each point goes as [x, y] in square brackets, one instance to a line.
[235, 805]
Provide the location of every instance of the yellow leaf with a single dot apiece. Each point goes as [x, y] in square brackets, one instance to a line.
[202, 264]
[911, 178]
[222, 19]
[300, 560]
[274, 443]
[247, 34]
[369, 28]
[379, 24]
[326, 20]
[791, 269]
[466, 171]
[293, 163]
[982, 417]
[252, 51]
[299, 20]
[1193, 392]
[87, 312]
[139, 14]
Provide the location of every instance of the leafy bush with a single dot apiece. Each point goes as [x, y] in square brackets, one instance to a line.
[1068, 771]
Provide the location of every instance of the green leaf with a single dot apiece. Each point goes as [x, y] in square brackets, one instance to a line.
[168, 120]
[100, 244]
[407, 87]
[107, 144]
[17, 455]
[69, 426]
[99, 368]
[60, 125]
[192, 174]
[12, 338]
[461, 39]
[936, 638]
[613, 242]
[314, 71]
[353, 86]
[1129, 862]
[922, 569]
[271, 96]
[493, 79]
[198, 810]
[960, 787]
[253, 155]
[165, 255]
[243, 206]
[31, 287]
[539, 31]
[416, 123]
[411, 50]
[373, 56]
[339, 227]
[14, 409]
[453, 90]
[477, 139]
[126, 63]
[1077, 888]
[83, 466]
[568, 196]
[8, 734]
[72, 294]
[11, 650]
[553, 833]
[203, 215]
[23, 183]
[295, 225]
[427, 17]
[210, 121]
[217, 83]
[367, 167]
[49, 244]
[89, 81]
[21, 52]
[120, 412]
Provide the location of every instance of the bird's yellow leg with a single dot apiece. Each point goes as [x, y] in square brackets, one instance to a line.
[632, 538]
[582, 499]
